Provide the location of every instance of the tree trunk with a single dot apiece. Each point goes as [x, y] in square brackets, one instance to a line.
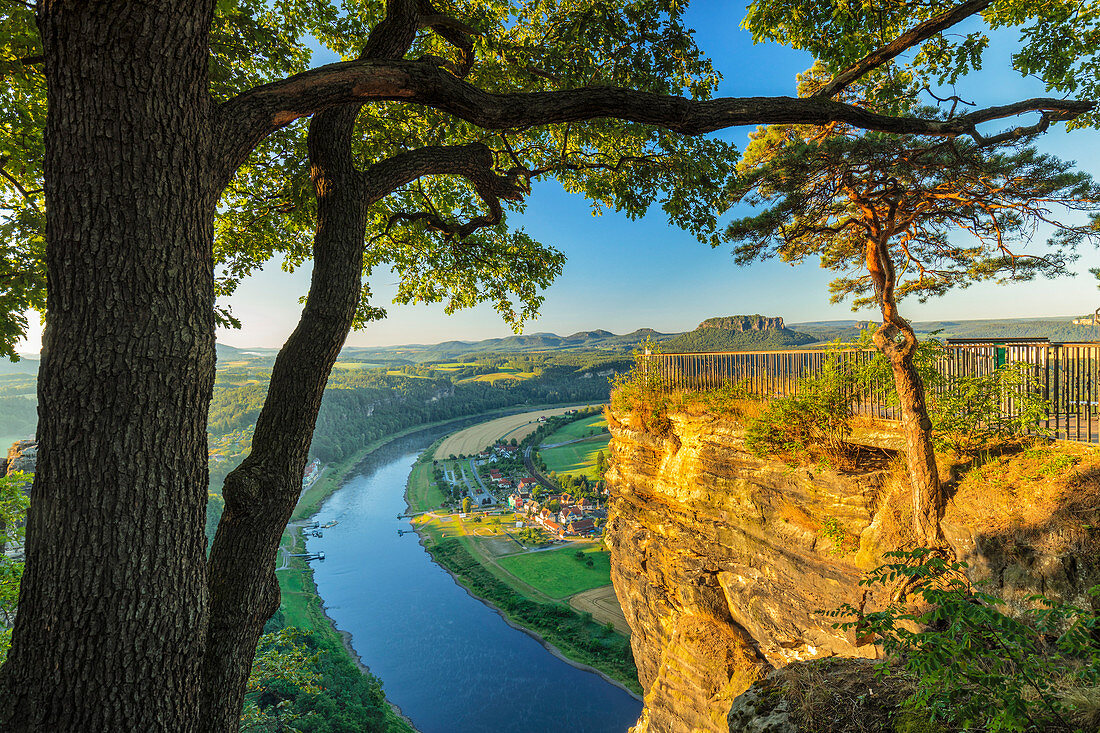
[895, 338]
[924, 478]
[112, 607]
[261, 493]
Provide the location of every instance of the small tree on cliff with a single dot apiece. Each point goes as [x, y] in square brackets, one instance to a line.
[892, 213]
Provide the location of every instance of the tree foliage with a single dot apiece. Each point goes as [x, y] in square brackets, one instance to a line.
[951, 210]
[1057, 42]
[978, 665]
[13, 515]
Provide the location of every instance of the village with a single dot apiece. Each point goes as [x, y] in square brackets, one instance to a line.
[504, 477]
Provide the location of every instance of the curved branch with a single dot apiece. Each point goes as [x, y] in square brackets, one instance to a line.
[249, 117]
[474, 162]
[917, 34]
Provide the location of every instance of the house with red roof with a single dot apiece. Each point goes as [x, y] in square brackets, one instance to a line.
[554, 527]
[582, 527]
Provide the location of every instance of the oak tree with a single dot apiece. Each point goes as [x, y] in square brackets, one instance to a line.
[161, 123]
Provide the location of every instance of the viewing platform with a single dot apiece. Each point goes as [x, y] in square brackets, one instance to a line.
[1065, 375]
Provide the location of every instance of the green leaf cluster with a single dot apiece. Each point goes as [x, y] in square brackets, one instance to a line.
[268, 211]
[977, 665]
[13, 515]
[1057, 41]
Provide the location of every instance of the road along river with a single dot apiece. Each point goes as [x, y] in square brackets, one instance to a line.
[449, 661]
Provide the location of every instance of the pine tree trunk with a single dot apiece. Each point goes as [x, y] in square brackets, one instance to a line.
[895, 339]
[112, 607]
[924, 478]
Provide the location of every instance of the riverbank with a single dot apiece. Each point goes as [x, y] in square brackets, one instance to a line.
[301, 603]
[571, 636]
[337, 474]
[543, 622]
[302, 607]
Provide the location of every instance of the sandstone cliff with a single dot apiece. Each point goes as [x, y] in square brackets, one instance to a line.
[22, 456]
[723, 562]
[743, 323]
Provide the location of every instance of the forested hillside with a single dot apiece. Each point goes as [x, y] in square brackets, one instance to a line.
[722, 339]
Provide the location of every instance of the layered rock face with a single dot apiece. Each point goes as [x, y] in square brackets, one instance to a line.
[22, 456]
[743, 323]
[724, 563]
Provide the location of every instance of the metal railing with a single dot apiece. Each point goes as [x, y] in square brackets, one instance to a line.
[1065, 376]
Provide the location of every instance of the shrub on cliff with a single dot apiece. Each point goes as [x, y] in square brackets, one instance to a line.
[811, 424]
[975, 666]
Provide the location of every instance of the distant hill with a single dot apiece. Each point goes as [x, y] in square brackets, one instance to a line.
[754, 322]
[598, 340]
[737, 333]
[25, 365]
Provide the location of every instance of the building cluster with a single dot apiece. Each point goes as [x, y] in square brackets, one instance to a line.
[575, 518]
[312, 473]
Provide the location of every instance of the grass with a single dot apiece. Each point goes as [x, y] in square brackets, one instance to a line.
[422, 492]
[558, 573]
[498, 376]
[575, 458]
[586, 428]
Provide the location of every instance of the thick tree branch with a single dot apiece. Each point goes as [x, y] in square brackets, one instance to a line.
[474, 162]
[917, 34]
[249, 117]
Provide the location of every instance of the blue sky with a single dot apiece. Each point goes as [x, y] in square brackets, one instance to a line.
[622, 275]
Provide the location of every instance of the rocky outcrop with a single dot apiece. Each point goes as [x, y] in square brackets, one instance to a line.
[743, 323]
[22, 456]
[724, 562]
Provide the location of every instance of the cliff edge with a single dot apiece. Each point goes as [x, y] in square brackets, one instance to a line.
[723, 562]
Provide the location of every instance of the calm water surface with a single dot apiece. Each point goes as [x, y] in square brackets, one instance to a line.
[449, 661]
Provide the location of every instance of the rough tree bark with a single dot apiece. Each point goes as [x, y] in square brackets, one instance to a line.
[114, 590]
[895, 338]
[261, 493]
[111, 633]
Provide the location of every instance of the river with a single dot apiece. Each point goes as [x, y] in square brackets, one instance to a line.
[447, 660]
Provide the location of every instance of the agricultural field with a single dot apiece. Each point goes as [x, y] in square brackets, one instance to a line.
[576, 458]
[352, 366]
[479, 437]
[604, 607]
[586, 428]
[498, 376]
[449, 367]
[558, 573]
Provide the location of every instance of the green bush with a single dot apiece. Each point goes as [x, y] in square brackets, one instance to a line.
[810, 424]
[973, 413]
[976, 667]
